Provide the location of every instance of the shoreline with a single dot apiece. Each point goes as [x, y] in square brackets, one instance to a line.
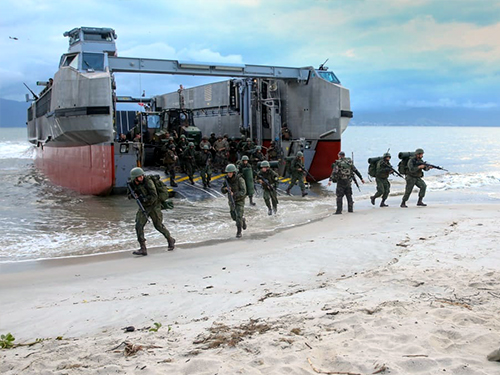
[411, 292]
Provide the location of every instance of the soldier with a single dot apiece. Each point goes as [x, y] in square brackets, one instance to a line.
[272, 152]
[269, 181]
[144, 188]
[297, 174]
[342, 173]
[212, 139]
[189, 157]
[248, 147]
[169, 161]
[234, 187]
[206, 166]
[257, 157]
[182, 145]
[414, 177]
[221, 147]
[204, 141]
[384, 169]
[245, 171]
[233, 150]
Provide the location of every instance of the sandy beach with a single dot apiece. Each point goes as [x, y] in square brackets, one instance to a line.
[381, 291]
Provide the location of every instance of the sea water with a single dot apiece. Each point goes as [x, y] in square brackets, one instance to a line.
[39, 220]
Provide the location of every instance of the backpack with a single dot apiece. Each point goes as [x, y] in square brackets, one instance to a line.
[163, 193]
[372, 167]
[403, 164]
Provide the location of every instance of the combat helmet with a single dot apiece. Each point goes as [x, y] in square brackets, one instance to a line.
[172, 147]
[190, 144]
[264, 164]
[341, 153]
[136, 172]
[258, 148]
[387, 155]
[205, 147]
[244, 157]
[230, 168]
[183, 136]
[300, 154]
[419, 151]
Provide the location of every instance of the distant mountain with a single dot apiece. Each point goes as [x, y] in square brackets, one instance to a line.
[13, 113]
[428, 117]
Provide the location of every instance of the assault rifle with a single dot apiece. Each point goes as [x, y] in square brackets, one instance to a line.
[232, 203]
[427, 166]
[396, 172]
[310, 175]
[352, 172]
[30, 90]
[138, 200]
[266, 182]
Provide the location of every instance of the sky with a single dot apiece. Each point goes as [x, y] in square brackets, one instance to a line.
[390, 54]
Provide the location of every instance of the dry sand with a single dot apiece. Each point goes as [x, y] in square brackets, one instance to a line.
[378, 291]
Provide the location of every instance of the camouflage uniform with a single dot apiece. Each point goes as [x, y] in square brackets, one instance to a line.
[297, 175]
[384, 169]
[414, 177]
[169, 161]
[245, 170]
[343, 170]
[270, 194]
[189, 157]
[148, 196]
[221, 147]
[237, 185]
[206, 167]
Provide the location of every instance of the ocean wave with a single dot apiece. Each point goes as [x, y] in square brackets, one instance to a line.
[16, 150]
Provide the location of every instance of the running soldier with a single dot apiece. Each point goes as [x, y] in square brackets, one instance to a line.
[189, 156]
[416, 168]
[297, 174]
[206, 166]
[384, 169]
[234, 187]
[169, 160]
[343, 173]
[269, 181]
[145, 191]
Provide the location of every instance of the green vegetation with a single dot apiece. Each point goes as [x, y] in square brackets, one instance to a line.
[7, 341]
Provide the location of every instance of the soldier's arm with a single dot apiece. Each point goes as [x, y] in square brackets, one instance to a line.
[243, 188]
[413, 166]
[152, 193]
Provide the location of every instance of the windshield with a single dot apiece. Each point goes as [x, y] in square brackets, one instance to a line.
[153, 122]
[329, 76]
[93, 61]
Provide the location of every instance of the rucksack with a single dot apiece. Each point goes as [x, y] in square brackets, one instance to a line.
[163, 193]
[403, 164]
[372, 166]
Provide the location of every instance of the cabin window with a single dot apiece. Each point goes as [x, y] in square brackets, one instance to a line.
[97, 37]
[94, 61]
[153, 122]
[70, 61]
[328, 76]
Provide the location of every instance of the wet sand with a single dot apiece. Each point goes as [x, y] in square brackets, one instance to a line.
[411, 292]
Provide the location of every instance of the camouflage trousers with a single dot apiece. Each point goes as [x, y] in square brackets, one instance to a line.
[156, 217]
[296, 178]
[206, 174]
[238, 212]
[189, 167]
[270, 196]
[170, 169]
[344, 188]
[383, 188]
[410, 183]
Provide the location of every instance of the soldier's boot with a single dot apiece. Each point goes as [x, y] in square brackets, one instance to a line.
[173, 183]
[275, 209]
[288, 189]
[421, 203]
[251, 200]
[304, 193]
[191, 180]
[339, 207]
[171, 243]
[269, 211]
[142, 251]
[243, 224]
[208, 183]
[372, 199]
[238, 232]
[403, 204]
[382, 204]
[350, 209]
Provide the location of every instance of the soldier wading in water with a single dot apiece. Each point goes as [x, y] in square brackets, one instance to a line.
[144, 188]
[342, 174]
[235, 188]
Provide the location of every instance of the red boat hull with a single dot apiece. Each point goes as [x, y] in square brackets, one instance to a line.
[321, 165]
[85, 169]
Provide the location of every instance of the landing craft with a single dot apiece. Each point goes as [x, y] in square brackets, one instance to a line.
[74, 122]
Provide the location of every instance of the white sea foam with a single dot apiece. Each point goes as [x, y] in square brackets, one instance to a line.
[16, 150]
